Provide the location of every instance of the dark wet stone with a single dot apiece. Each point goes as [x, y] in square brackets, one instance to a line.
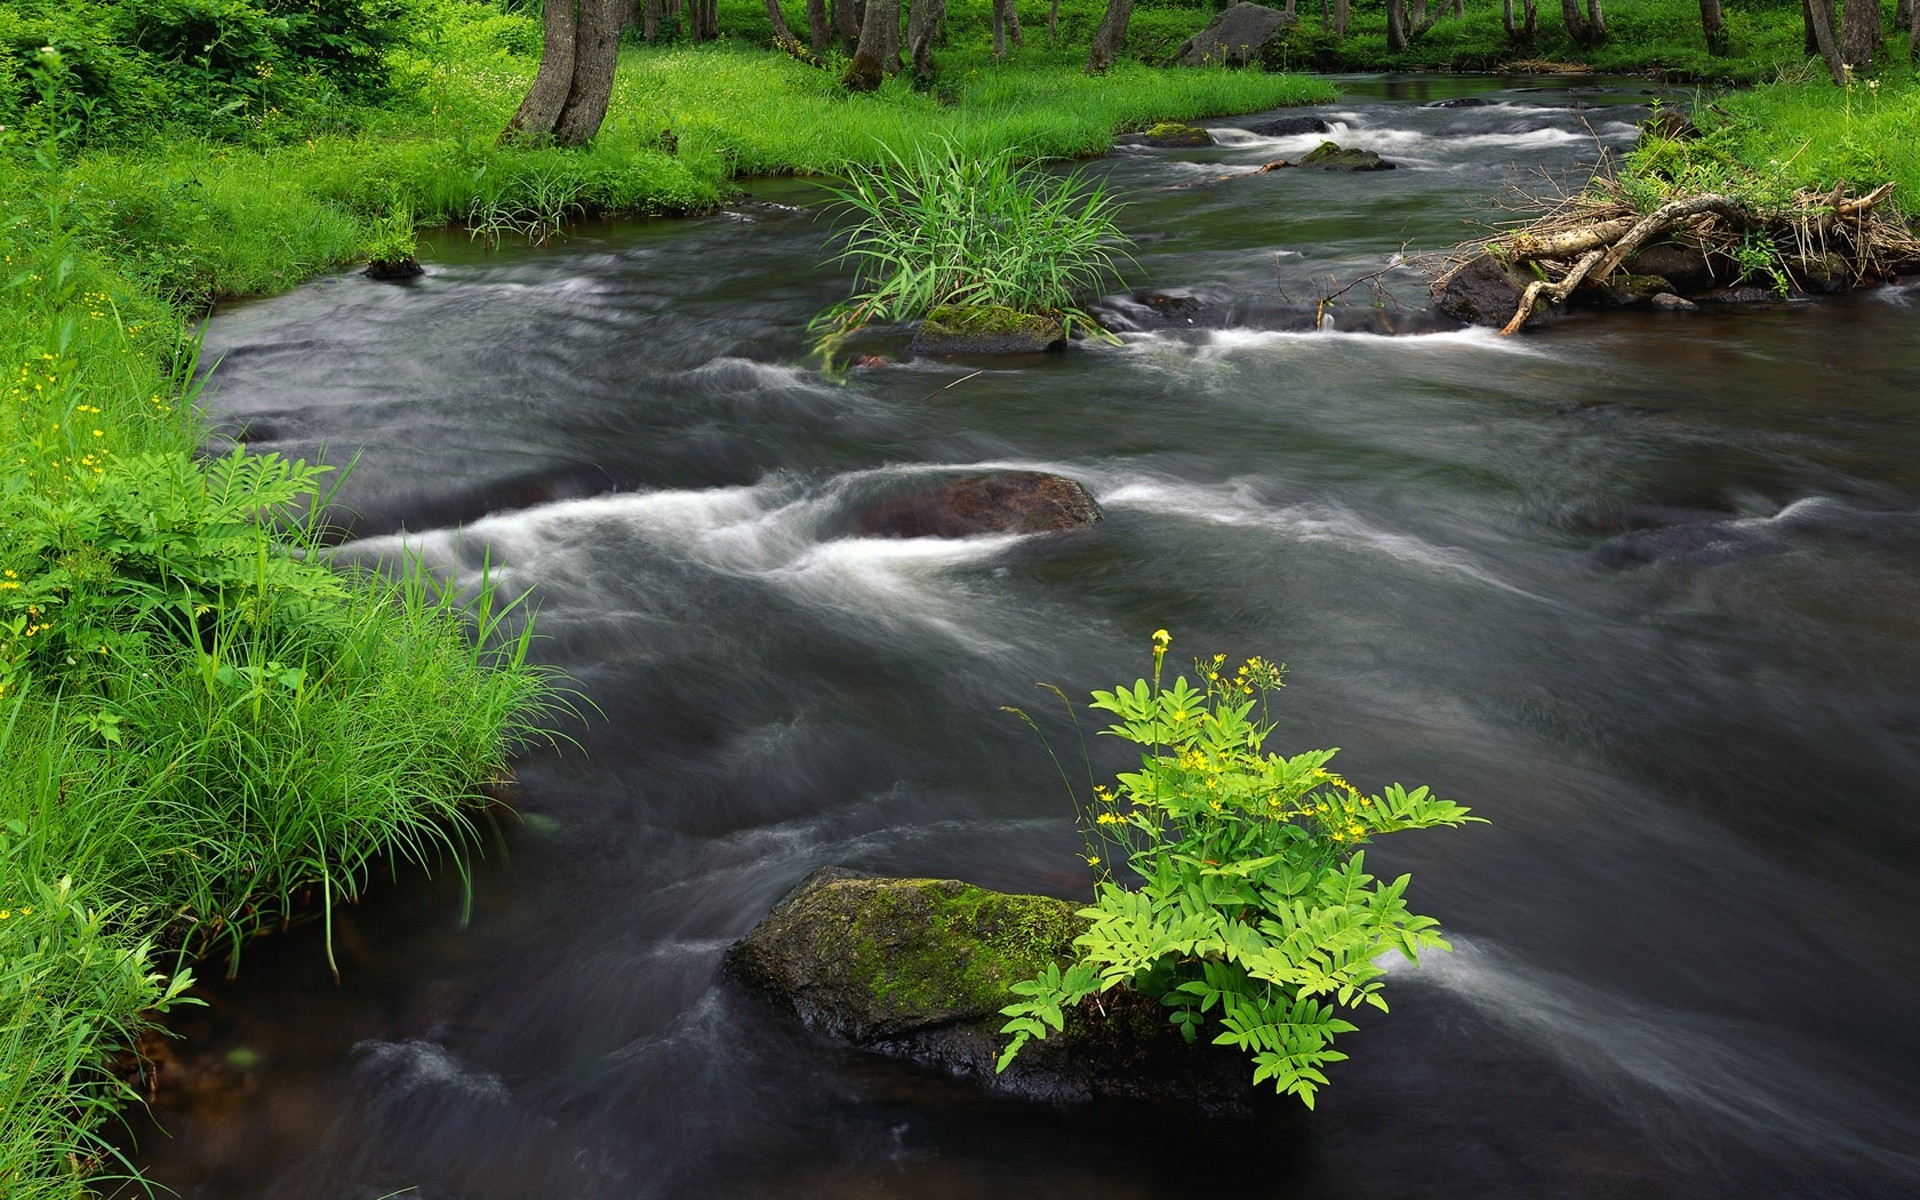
[406, 268]
[1623, 289]
[1458, 102]
[1485, 291]
[1288, 127]
[1328, 156]
[919, 969]
[1822, 273]
[1688, 268]
[1006, 502]
[1668, 302]
[952, 330]
[1237, 36]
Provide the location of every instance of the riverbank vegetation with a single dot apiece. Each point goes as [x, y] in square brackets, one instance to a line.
[203, 727]
[1253, 920]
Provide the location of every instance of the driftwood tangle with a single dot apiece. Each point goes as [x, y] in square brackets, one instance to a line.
[1585, 239]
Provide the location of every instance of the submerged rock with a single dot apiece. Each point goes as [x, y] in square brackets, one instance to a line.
[919, 969]
[985, 329]
[1329, 156]
[1459, 102]
[1236, 36]
[1008, 502]
[1288, 127]
[1668, 302]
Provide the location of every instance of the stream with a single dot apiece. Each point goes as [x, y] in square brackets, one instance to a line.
[1640, 589]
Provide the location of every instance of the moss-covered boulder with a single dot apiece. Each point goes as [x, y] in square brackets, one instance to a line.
[1331, 156]
[986, 329]
[920, 968]
[1172, 135]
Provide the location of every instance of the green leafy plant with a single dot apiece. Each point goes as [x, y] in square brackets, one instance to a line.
[1253, 916]
[391, 243]
[943, 227]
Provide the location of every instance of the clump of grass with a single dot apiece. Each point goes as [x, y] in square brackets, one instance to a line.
[937, 227]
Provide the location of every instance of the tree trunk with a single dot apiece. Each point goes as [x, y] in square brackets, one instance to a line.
[890, 52]
[1913, 34]
[1902, 17]
[1860, 34]
[554, 80]
[1812, 46]
[1110, 38]
[997, 16]
[1053, 23]
[1714, 25]
[1013, 24]
[869, 66]
[580, 49]
[1823, 20]
[708, 18]
[1396, 25]
[1521, 33]
[1596, 23]
[1342, 11]
[782, 34]
[818, 26]
[920, 41]
[1578, 30]
[650, 20]
[845, 23]
[937, 14]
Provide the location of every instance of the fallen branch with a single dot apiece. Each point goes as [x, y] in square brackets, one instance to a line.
[1601, 261]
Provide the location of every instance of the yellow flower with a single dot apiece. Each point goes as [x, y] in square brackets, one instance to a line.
[1093, 860]
[1107, 819]
[1162, 639]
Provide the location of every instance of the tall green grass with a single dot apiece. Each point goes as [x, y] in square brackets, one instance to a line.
[203, 729]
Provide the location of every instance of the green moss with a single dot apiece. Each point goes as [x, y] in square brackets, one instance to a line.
[938, 946]
[988, 320]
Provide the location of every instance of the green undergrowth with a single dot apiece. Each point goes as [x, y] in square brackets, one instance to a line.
[204, 730]
[1803, 132]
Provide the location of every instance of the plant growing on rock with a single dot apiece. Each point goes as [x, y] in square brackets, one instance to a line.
[945, 228]
[1254, 916]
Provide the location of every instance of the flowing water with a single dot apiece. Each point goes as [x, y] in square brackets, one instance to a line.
[1641, 589]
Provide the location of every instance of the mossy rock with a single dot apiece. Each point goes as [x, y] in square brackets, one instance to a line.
[919, 969]
[1623, 289]
[986, 329]
[1330, 156]
[1172, 135]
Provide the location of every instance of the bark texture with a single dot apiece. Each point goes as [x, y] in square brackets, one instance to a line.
[580, 49]
[846, 23]
[1861, 36]
[1824, 24]
[818, 26]
[877, 47]
[1111, 37]
[1713, 25]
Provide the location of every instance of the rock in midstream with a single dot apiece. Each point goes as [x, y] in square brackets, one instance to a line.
[971, 505]
[919, 969]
